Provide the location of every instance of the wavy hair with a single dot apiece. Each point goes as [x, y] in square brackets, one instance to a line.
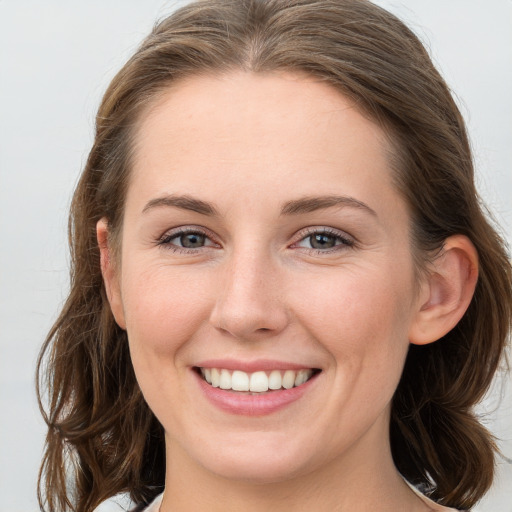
[102, 437]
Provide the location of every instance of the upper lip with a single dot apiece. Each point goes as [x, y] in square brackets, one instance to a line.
[252, 366]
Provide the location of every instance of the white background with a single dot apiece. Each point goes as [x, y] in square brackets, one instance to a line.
[56, 59]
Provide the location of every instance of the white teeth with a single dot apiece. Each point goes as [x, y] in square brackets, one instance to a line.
[239, 381]
[275, 380]
[301, 378]
[215, 375]
[288, 379]
[257, 382]
[225, 379]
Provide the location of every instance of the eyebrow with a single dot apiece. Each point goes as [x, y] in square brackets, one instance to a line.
[183, 202]
[294, 207]
[311, 204]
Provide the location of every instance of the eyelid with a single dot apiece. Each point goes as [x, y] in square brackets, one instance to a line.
[164, 239]
[347, 240]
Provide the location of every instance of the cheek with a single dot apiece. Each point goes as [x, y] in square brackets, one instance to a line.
[163, 310]
[361, 317]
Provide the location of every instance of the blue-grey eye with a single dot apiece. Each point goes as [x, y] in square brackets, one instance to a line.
[322, 241]
[192, 240]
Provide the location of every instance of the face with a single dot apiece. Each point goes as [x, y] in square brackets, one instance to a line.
[264, 245]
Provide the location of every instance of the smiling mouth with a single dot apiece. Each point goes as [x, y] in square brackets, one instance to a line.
[255, 382]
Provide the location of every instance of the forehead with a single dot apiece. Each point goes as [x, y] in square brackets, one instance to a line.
[258, 132]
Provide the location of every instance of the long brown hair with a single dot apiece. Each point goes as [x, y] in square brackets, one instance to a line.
[102, 437]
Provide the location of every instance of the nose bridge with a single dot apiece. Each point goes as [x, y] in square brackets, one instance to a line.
[249, 301]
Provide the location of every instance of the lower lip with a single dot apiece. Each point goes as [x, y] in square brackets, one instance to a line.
[253, 405]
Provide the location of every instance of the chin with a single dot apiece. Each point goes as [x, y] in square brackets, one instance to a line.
[259, 472]
[263, 462]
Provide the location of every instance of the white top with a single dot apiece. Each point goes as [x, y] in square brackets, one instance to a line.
[155, 504]
[432, 504]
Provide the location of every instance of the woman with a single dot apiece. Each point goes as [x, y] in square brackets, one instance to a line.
[285, 294]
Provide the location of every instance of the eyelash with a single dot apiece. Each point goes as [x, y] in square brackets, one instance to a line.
[342, 241]
[165, 240]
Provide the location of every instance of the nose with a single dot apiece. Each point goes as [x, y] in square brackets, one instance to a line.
[250, 302]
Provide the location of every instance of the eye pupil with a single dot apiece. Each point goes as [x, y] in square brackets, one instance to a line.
[322, 241]
[192, 240]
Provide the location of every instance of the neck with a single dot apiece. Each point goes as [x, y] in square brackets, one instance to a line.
[364, 479]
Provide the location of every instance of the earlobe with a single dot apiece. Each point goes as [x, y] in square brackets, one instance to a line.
[448, 289]
[108, 271]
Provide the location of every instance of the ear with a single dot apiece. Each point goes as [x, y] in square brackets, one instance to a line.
[446, 291]
[110, 275]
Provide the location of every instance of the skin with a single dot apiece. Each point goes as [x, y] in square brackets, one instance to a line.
[257, 289]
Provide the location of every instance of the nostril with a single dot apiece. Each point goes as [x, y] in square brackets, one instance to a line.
[245, 320]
